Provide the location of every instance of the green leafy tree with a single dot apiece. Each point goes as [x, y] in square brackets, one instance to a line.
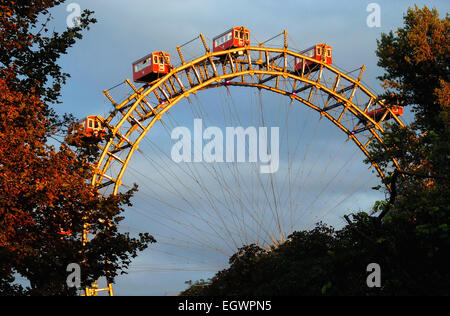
[416, 60]
[45, 192]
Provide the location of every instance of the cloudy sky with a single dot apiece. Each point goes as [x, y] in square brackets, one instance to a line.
[128, 30]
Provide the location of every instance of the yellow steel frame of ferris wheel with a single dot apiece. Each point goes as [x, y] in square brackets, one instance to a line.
[197, 69]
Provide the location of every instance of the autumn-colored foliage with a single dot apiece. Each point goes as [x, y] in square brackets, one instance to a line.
[45, 191]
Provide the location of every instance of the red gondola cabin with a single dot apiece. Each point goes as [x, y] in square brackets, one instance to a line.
[151, 67]
[238, 36]
[318, 52]
[377, 114]
[89, 128]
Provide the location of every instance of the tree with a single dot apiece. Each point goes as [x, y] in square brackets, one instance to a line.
[407, 235]
[416, 60]
[45, 192]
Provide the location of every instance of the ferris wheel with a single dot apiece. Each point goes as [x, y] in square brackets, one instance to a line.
[199, 207]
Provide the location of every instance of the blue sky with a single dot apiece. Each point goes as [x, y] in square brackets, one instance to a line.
[128, 30]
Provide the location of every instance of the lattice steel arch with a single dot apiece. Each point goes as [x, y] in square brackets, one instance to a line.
[347, 103]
